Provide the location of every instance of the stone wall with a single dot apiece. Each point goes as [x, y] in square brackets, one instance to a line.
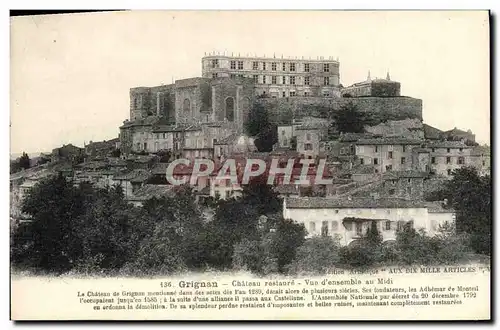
[380, 108]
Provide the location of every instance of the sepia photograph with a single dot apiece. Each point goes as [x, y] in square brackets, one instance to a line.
[250, 165]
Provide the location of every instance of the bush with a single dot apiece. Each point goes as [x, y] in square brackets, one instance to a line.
[255, 256]
[317, 255]
[357, 255]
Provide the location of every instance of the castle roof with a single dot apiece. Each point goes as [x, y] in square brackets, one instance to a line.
[327, 203]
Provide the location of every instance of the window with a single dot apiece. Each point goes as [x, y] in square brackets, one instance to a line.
[336, 211]
[293, 93]
[324, 228]
[255, 79]
[233, 65]
[362, 161]
[308, 136]
[433, 149]
[292, 80]
[306, 93]
[448, 171]
[376, 148]
[326, 81]
[215, 63]
[404, 148]
[335, 224]
[214, 75]
[255, 65]
[306, 81]
[306, 67]
[448, 150]
[233, 76]
[387, 225]
[388, 167]
[186, 105]
[448, 160]
[145, 145]
[461, 161]
[375, 161]
[230, 109]
[403, 160]
[312, 227]
[273, 66]
[240, 65]
[461, 149]
[308, 146]
[325, 94]
[389, 155]
[284, 94]
[284, 66]
[359, 228]
[392, 191]
[273, 80]
[433, 160]
[292, 66]
[284, 80]
[263, 79]
[484, 163]
[326, 67]
[263, 65]
[164, 135]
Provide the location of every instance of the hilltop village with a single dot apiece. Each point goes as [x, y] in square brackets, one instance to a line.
[380, 173]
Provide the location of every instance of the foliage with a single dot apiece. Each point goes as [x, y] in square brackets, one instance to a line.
[259, 125]
[24, 161]
[116, 152]
[317, 255]
[348, 119]
[470, 196]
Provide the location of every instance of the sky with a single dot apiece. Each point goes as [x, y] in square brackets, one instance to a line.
[71, 73]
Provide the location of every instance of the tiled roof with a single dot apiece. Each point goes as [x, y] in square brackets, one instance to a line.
[392, 175]
[148, 191]
[352, 137]
[446, 144]
[457, 131]
[432, 132]
[421, 150]
[285, 189]
[160, 168]
[389, 141]
[437, 207]
[326, 203]
[137, 175]
[228, 140]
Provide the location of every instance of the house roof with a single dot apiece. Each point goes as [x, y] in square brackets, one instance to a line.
[326, 203]
[148, 121]
[432, 132]
[286, 189]
[392, 175]
[389, 141]
[438, 207]
[137, 175]
[447, 144]
[148, 191]
[352, 137]
[457, 131]
[481, 151]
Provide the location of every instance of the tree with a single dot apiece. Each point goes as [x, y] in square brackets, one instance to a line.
[317, 255]
[373, 236]
[116, 152]
[348, 119]
[24, 161]
[258, 124]
[470, 196]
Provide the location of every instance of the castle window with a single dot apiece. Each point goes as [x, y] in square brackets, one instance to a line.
[326, 81]
[273, 66]
[263, 65]
[233, 76]
[240, 65]
[186, 106]
[306, 81]
[284, 80]
[389, 155]
[433, 160]
[233, 65]
[230, 109]
[215, 63]
[448, 160]
[448, 150]
[292, 66]
[376, 148]
[404, 148]
[284, 94]
[292, 80]
[255, 65]
[263, 79]
[306, 67]
[326, 67]
[273, 80]
[255, 79]
[214, 75]
[293, 93]
[135, 103]
[284, 66]
[375, 161]
[306, 93]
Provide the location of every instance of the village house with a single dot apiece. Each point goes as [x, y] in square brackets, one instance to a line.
[386, 154]
[349, 219]
[446, 156]
[480, 158]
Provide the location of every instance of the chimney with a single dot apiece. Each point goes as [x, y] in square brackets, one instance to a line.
[388, 76]
[369, 77]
